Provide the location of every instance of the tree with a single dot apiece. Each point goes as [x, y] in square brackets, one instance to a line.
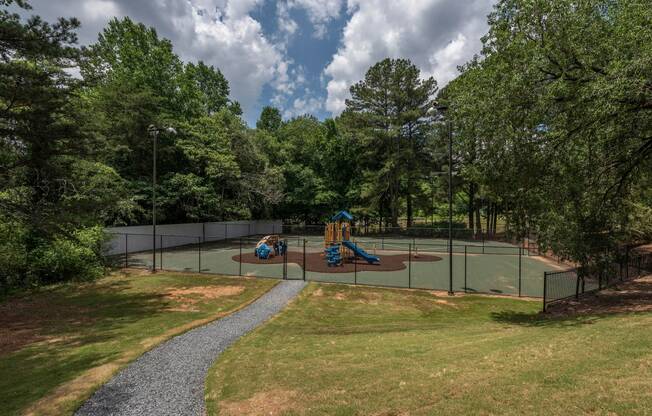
[270, 119]
[559, 103]
[51, 185]
[204, 90]
[391, 106]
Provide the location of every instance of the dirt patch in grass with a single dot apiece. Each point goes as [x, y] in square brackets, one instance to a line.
[272, 402]
[23, 322]
[317, 263]
[207, 292]
[185, 299]
[629, 297]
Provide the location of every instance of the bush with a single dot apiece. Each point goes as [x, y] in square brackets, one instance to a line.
[77, 256]
[13, 256]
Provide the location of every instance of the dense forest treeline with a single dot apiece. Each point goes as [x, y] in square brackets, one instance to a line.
[551, 125]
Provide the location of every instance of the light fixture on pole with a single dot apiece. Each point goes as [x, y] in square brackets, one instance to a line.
[154, 132]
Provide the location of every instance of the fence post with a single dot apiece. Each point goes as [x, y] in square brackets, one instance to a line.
[226, 232]
[520, 250]
[482, 233]
[285, 259]
[126, 251]
[304, 259]
[355, 268]
[160, 250]
[199, 252]
[465, 286]
[410, 266]
[545, 284]
[203, 231]
[240, 258]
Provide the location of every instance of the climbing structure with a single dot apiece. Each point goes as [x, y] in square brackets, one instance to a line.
[337, 244]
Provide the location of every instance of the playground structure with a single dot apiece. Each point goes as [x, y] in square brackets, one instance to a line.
[269, 246]
[337, 243]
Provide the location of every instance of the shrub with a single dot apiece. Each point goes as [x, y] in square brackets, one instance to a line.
[76, 256]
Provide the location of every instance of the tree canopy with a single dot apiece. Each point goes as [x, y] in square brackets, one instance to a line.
[551, 125]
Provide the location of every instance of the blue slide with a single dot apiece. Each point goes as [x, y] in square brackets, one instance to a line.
[360, 252]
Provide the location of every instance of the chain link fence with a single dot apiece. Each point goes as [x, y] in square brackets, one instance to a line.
[405, 262]
[576, 282]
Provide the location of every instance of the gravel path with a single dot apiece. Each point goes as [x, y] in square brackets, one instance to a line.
[169, 380]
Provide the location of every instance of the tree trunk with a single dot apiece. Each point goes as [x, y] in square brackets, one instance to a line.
[409, 202]
[477, 219]
[471, 206]
[495, 218]
[488, 219]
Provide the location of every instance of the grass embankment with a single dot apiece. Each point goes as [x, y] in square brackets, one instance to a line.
[59, 345]
[342, 350]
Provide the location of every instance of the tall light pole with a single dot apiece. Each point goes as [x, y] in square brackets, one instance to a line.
[450, 207]
[154, 132]
[443, 110]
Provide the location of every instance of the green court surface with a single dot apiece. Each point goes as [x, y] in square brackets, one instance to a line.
[495, 268]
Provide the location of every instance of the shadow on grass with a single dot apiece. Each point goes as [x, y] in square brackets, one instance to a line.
[89, 315]
[51, 338]
[627, 298]
[538, 319]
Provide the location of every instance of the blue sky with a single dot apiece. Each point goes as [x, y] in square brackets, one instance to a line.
[298, 55]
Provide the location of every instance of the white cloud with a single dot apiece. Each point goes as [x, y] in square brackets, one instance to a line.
[219, 32]
[319, 12]
[286, 25]
[306, 105]
[437, 35]
[232, 40]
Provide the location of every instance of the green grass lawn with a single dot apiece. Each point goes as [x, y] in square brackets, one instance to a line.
[59, 345]
[343, 350]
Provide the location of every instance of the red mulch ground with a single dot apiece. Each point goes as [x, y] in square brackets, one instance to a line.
[317, 262]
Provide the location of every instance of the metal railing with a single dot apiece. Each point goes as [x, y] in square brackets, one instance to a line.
[478, 268]
[576, 282]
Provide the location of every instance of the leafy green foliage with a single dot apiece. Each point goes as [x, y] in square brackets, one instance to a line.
[551, 124]
[555, 120]
[391, 109]
[52, 183]
[270, 119]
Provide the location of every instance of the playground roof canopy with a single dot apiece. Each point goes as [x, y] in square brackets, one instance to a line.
[342, 215]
